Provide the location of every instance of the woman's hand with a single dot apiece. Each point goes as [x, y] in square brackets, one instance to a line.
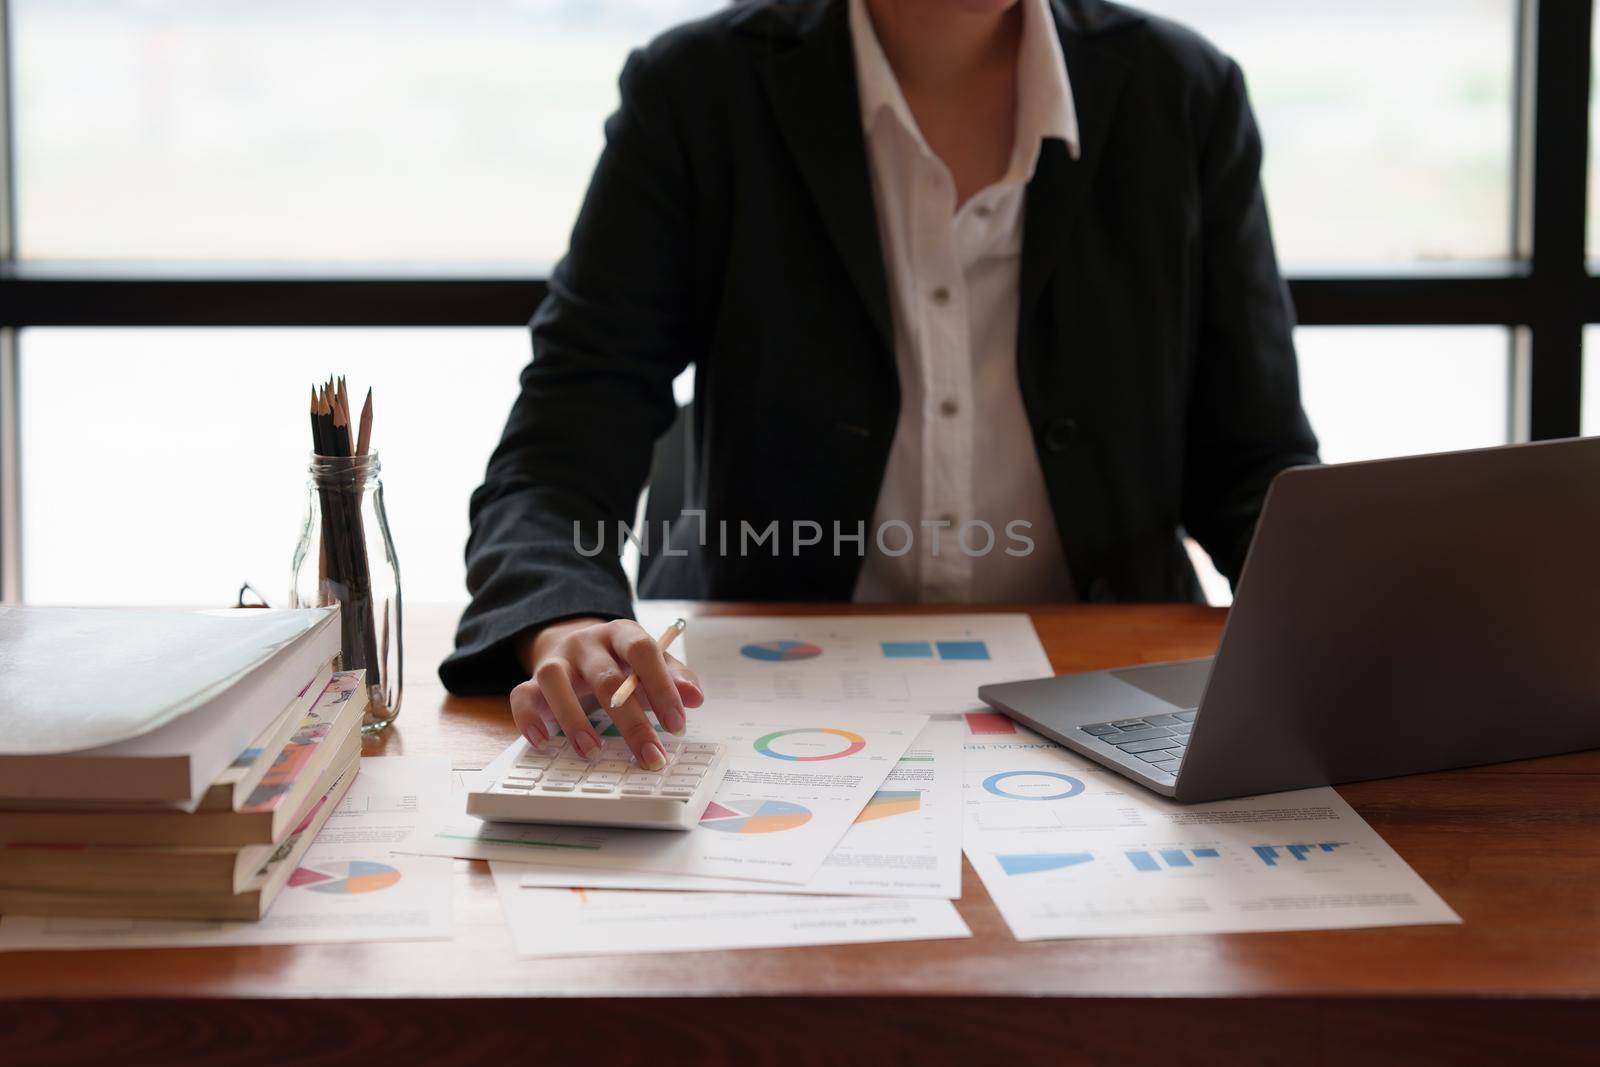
[579, 663]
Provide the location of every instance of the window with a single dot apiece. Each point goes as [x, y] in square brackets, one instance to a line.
[169, 465]
[1387, 128]
[1372, 392]
[1591, 380]
[403, 130]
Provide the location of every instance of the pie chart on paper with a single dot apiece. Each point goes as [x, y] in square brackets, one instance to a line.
[345, 876]
[754, 816]
[780, 651]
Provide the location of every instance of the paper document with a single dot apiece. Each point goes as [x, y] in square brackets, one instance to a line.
[587, 922]
[793, 787]
[905, 843]
[1068, 848]
[931, 664]
[348, 887]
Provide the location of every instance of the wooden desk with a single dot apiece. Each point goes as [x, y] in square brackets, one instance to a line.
[1515, 849]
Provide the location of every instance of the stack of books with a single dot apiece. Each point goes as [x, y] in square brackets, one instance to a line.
[169, 765]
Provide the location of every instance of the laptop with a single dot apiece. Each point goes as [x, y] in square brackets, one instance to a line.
[1393, 617]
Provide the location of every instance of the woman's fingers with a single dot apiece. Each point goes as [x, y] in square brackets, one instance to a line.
[658, 688]
[640, 734]
[687, 682]
[554, 678]
[588, 664]
[527, 711]
[601, 671]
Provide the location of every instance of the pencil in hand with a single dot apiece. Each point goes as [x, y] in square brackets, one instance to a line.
[664, 642]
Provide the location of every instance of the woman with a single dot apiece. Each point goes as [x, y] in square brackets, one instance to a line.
[982, 305]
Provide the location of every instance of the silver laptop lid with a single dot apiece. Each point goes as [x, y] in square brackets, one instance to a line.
[1409, 615]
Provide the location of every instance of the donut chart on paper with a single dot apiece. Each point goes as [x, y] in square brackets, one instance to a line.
[810, 744]
[780, 651]
[345, 876]
[754, 816]
[1032, 785]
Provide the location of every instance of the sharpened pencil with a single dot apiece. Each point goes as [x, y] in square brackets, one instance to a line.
[364, 441]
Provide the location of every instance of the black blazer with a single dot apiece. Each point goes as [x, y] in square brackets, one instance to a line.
[729, 225]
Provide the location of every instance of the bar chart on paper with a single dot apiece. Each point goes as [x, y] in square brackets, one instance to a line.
[1158, 859]
[931, 664]
[780, 651]
[1066, 850]
[1272, 855]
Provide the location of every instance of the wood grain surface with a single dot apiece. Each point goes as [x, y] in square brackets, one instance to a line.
[1514, 848]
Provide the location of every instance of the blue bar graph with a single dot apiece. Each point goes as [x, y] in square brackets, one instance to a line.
[963, 650]
[908, 649]
[1145, 860]
[1270, 854]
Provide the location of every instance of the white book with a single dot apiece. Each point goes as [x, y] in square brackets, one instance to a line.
[148, 705]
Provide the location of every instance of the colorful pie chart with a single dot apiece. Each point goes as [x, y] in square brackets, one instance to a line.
[780, 651]
[754, 816]
[345, 876]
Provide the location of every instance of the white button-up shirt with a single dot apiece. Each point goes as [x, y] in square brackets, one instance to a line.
[963, 451]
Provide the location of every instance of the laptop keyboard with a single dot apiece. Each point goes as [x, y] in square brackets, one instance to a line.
[1158, 740]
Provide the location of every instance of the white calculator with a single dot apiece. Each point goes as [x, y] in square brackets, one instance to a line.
[554, 784]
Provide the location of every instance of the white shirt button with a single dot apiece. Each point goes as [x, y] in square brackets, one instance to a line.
[948, 407]
[941, 296]
[983, 211]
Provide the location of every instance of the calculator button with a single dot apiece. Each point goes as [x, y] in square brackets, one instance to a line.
[680, 779]
[693, 774]
[615, 766]
[579, 765]
[700, 746]
[563, 776]
[527, 779]
[699, 758]
[592, 786]
[614, 747]
[636, 788]
[670, 790]
[515, 787]
[549, 786]
[607, 777]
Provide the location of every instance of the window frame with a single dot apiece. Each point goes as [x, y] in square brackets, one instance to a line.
[1545, 297]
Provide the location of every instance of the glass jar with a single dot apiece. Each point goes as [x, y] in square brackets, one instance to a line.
[346, 557]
